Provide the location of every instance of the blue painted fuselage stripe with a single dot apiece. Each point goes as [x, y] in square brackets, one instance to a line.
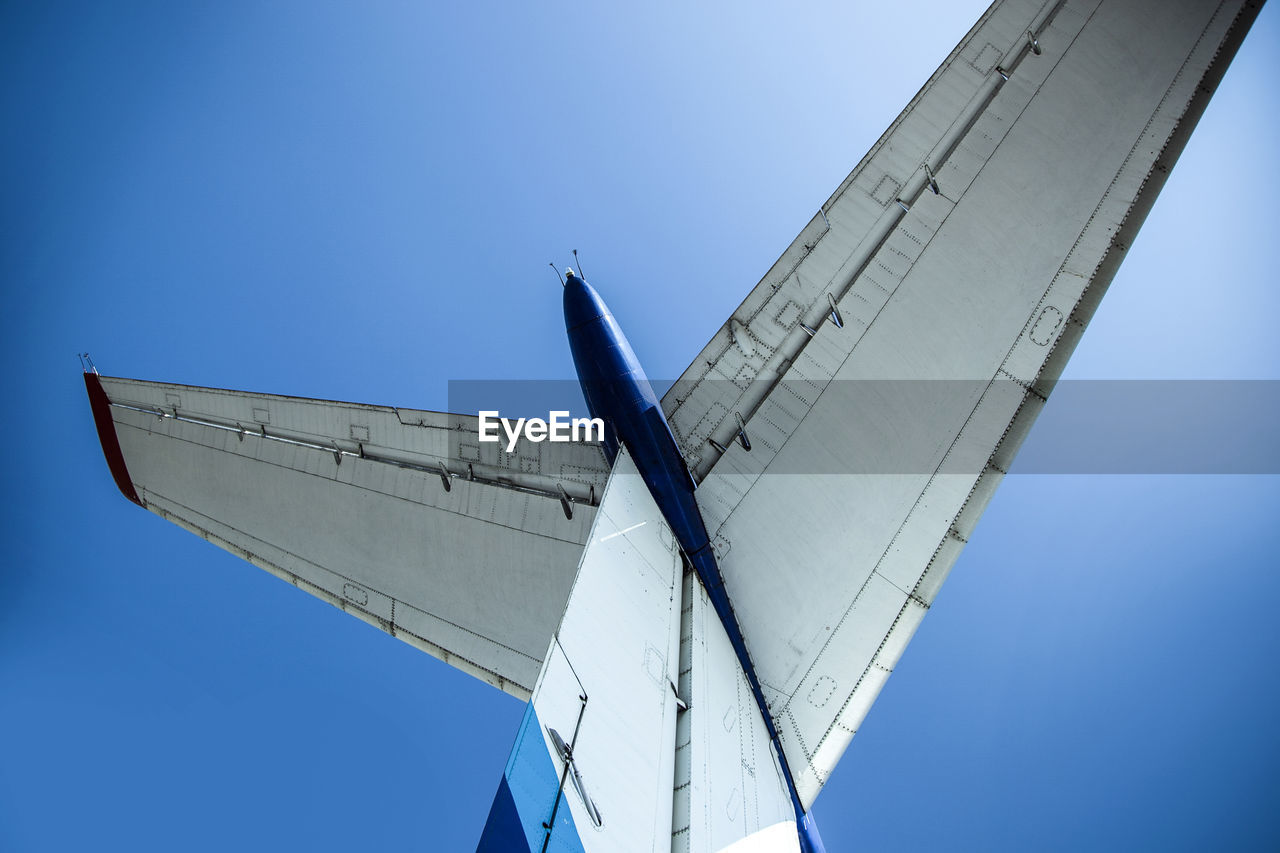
[502, 831]
[526, 797]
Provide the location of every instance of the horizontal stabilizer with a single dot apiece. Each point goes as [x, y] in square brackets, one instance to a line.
[397, 516]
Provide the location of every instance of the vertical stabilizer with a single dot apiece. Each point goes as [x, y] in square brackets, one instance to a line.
[593, 764]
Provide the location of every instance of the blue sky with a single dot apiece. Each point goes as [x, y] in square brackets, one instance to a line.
[359, 204]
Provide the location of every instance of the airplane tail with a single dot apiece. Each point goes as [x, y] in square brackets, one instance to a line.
[642, 733]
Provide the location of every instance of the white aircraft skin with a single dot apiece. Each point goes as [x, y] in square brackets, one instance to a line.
[413, 711]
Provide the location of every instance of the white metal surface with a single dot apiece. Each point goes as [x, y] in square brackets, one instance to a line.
[348, 502]
[835, 531]
[730, 793]
[779, 838]
[618, 645]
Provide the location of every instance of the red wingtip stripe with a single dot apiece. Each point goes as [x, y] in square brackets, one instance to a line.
[107, 435]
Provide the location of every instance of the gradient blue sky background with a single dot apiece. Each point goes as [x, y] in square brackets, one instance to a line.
[359, 203]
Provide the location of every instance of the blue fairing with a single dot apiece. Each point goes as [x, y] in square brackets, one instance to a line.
[526, 798]
[618, 392]
[810, 840]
